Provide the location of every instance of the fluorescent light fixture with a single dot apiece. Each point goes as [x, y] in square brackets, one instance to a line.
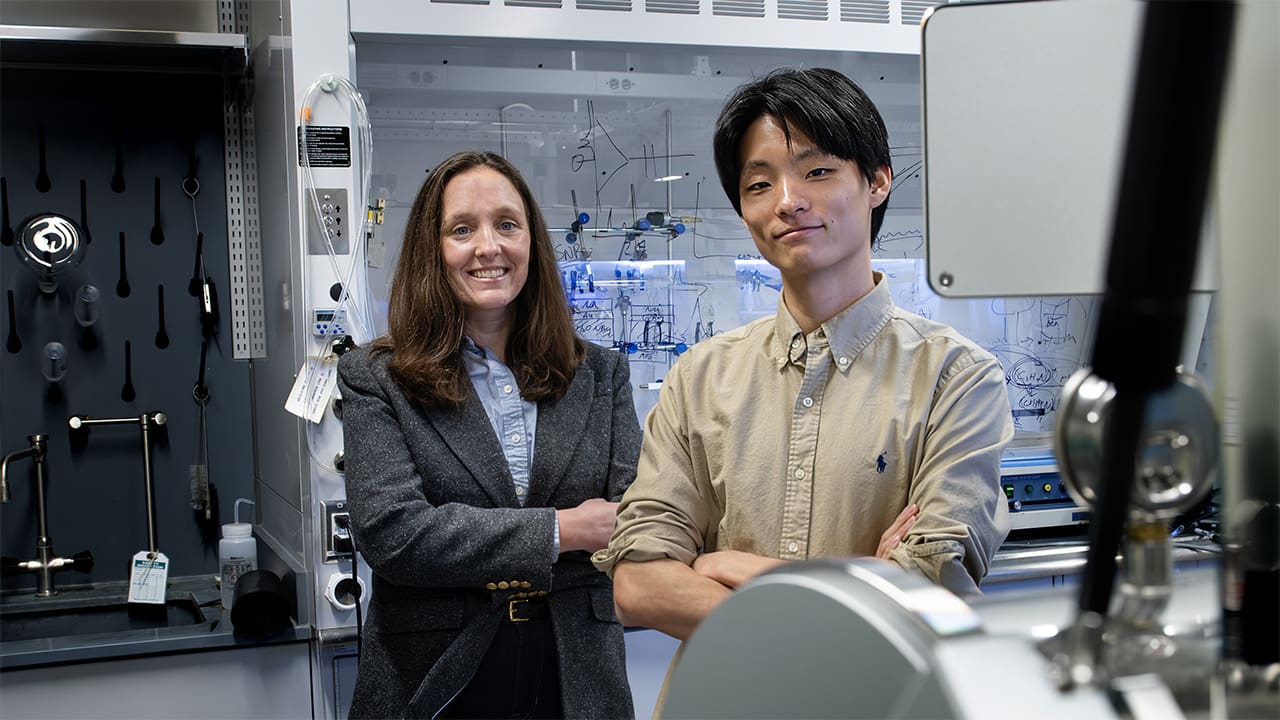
[669, 178]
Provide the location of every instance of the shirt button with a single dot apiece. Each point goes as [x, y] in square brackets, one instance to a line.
[519, 489]
[506, 389]
[515, 438]
[793, 546]
[843, 361]
[795, 343]
[807, 402]
[799, 473]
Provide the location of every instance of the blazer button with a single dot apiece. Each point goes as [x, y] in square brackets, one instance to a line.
[525, 584]
[491, 586]
[504, 585]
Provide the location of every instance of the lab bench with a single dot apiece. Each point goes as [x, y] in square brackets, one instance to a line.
[1057, 561]
[43, 631]
[86, 652]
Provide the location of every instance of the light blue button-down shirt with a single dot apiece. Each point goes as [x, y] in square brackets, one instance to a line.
[514, 419]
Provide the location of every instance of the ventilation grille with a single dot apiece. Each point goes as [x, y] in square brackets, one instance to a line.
[738, 8]
[615, 5]
[913, 10]
[865, 11]
[802, 9]
[859, 11]
[675, 7]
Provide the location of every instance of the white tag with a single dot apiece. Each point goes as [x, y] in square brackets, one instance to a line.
[148, 578]
[312, 388]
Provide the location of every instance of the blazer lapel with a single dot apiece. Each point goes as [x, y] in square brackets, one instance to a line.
[560, 428]
[468, 432]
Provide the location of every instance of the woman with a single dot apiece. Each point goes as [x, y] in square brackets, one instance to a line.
[486, 448]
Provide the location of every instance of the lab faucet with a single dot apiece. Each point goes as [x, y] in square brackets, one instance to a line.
[46, 563]
[149, 422]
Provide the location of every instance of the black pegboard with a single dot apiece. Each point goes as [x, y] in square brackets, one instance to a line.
[163, 123]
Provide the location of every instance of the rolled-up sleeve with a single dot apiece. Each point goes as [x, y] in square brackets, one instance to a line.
[964, 515]
[664, 514]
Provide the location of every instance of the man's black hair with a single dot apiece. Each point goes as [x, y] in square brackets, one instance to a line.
[822, 104]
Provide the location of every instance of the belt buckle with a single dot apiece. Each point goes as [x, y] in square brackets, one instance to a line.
[511, 610]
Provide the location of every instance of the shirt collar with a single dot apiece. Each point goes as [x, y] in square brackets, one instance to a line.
[475, 358]
[851, 330]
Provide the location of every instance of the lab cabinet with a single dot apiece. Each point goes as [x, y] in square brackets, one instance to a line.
[124, 280]
[138, 312]
[272, 681]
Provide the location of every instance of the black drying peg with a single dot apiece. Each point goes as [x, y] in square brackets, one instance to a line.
[193, 285]
[157, 234]
[127, 392]
[117, 179]
[122, 287]
[14, 343]
[6, 233]
[162, 335]
[201, 391]
[84, 211]
[42, 179]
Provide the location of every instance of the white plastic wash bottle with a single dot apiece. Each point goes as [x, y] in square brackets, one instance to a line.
[237, 553]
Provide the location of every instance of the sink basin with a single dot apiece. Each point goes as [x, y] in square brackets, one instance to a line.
[91, 616]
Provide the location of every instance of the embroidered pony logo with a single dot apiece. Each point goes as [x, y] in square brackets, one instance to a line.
[881, 464]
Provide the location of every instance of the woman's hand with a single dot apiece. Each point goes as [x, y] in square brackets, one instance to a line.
[898, 530]
[588, 526]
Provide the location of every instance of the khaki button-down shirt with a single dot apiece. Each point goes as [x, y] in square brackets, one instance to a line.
[795, 446]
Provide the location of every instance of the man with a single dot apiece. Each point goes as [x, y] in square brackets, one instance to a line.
[841, 426]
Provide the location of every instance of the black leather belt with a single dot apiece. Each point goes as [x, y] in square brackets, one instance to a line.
[525, 609]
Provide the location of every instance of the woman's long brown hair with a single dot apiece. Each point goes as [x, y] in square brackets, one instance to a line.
[425, 317]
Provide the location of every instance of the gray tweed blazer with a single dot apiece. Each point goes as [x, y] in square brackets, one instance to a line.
[434, 514]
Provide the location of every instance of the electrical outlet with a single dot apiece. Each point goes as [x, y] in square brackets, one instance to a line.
[338, 544]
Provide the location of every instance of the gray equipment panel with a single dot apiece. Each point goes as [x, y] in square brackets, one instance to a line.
[858, 638]
[1026, 109]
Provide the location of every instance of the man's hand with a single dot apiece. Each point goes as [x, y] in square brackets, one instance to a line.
[898, 530]
[588, 526]
[732, 568]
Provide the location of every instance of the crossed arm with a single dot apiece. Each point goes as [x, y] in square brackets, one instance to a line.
[672, 597]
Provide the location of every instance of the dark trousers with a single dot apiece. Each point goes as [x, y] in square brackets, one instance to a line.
[518, 678]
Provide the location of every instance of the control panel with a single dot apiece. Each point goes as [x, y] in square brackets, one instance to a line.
[329, 321]
[325, 222]
[1037, 496]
